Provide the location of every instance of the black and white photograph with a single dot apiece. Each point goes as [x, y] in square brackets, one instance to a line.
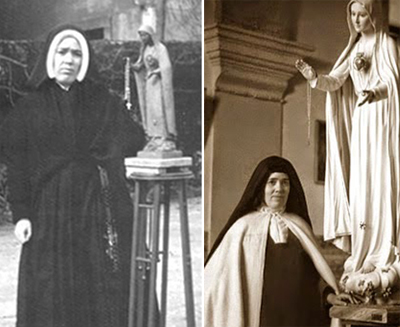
[101, 163]
[301, 163]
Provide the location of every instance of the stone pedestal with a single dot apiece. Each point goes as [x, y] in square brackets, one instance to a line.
[150, 239]
[251, 63]
[157, 166]
[159, 154]
[367, 315]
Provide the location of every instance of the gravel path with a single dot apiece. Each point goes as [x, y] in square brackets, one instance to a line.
[10, 250]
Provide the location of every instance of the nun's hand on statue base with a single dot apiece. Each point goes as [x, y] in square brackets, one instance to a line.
[23, 230]
[341, 299]
[306, 70]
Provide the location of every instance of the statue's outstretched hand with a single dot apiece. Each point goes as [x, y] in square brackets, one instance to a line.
[306, 70]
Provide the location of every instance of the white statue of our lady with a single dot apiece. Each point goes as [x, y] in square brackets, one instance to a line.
[362, 185]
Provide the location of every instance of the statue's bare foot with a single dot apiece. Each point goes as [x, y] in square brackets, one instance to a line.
[367, 267]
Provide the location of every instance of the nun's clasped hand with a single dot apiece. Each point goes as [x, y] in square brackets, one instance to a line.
[23, 230]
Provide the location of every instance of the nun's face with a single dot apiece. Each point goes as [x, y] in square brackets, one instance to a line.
[67, 61]
[360, 18]
[276, 191]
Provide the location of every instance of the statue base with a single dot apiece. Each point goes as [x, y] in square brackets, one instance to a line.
[157, 166]
[371, 315]
[159, 154]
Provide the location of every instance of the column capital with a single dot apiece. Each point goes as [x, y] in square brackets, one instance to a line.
[251, 63]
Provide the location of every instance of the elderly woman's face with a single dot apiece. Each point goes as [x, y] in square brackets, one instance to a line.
[360, 18]
[67, 61]
[276, 191]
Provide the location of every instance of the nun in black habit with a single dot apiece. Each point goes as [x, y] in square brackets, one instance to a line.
[264, 268]
[64, 145]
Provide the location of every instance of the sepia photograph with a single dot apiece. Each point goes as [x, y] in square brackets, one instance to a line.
[101, 163]
[301, 163]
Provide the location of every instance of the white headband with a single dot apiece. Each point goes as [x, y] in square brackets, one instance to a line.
[53, 48]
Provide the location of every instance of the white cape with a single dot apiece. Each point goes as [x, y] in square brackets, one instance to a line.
[233, 277]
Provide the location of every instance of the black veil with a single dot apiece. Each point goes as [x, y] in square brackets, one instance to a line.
[253, 196]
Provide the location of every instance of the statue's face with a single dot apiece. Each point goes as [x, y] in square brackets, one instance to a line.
[360, 18]
[67, 61]
[276, 191]
[145, 37]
